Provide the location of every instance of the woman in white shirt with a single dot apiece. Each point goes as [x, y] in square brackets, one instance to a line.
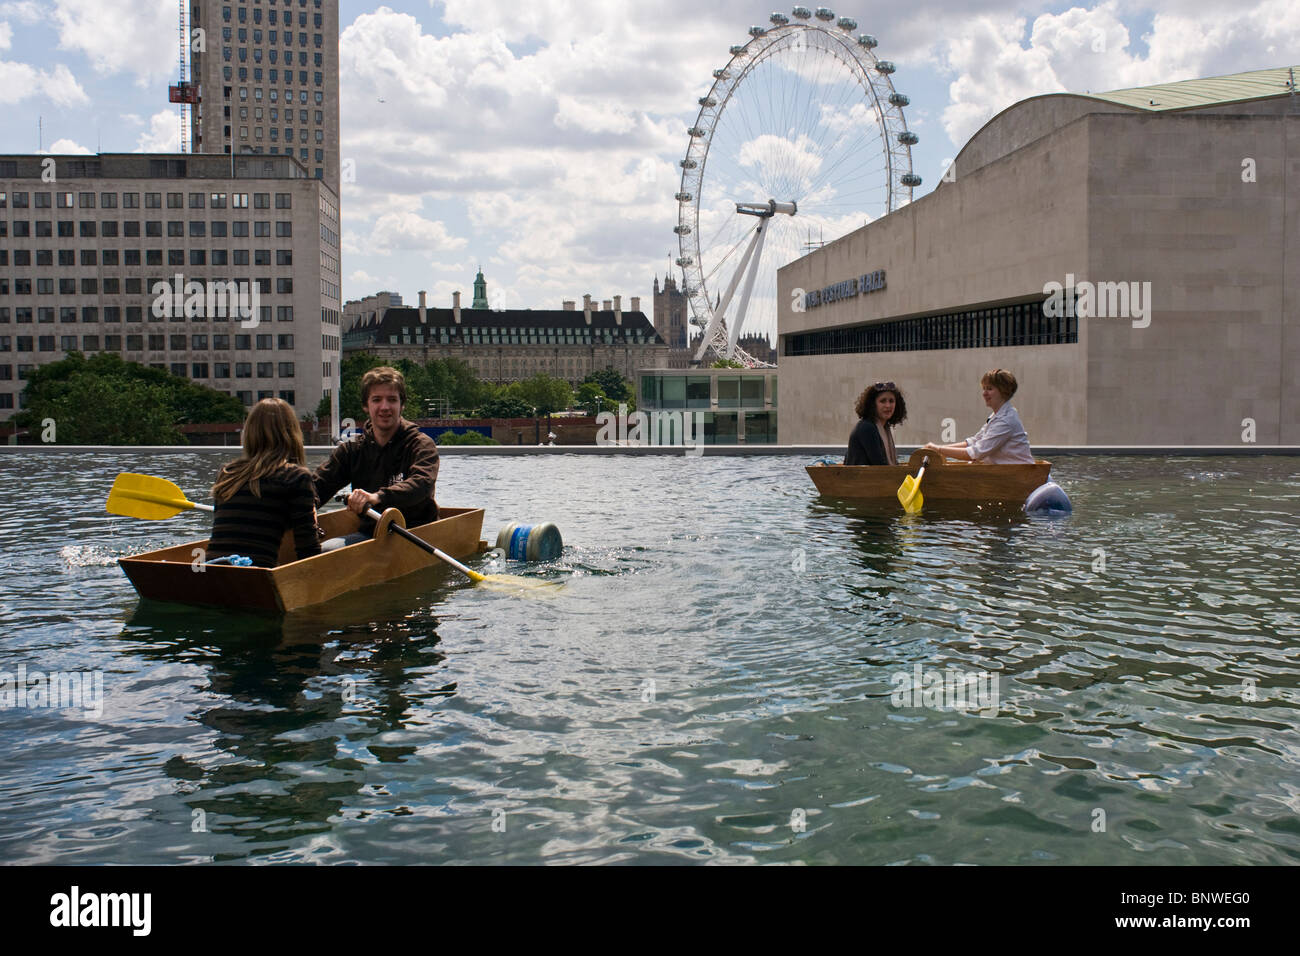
[1002, 440]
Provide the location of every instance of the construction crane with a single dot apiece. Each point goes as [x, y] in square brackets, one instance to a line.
[183, 92]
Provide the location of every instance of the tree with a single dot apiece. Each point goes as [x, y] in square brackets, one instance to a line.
[726, 363]
[546, 394]
[592, 399]
[505, 405]
[104, 400]
[612, 383]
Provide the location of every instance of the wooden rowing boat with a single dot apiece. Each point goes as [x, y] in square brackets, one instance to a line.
[945, 480]
[175, 574]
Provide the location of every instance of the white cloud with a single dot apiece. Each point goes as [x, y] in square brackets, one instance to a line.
[67, 147]
[6, 35]
[163, 135]
[999, 58]
[24, 11]
[409, 231]
[18, 81]
[121, 36]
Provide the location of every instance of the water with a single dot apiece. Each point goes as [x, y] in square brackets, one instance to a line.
[712, 683]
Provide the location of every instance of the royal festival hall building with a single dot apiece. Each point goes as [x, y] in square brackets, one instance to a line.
[1130, 256]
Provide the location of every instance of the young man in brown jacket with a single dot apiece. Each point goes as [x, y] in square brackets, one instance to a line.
[392, 464]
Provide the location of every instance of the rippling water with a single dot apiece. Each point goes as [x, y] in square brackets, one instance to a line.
[712, 681]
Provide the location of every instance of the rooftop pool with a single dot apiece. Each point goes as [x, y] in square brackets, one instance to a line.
[734, 669]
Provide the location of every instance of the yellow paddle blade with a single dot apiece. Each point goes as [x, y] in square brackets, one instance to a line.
[144, 496]
[535, 587]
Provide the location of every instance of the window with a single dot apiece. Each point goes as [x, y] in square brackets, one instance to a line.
[109, 229]
[265, 369]
[87, 229]
[88, 257]
[175, 200]
[90, 343]
[284, 286]
[239, 230]
[130, 229]
[130, 200]
[198, 370]
[243, 370]
[65, 228]
[261, 229]
[153, 228]
[198, 229]
[178, 369]
[218, 230]
[67, 343]
[284, 313]
[240, 257]
[221, 370]
[42, 200]
[108, 200]
[284, 342]
[157, 342]
[63, 200]
[89, 313]
[153, 257]
[153, 200]
[198, 257]
[286, 370]
[175, 229]
[135, 343]
[285, 200]
[282, 229]
[264, 342]
[220, 257]
[176, 257]
[45, 343]
[86, 200]
[112, 343]
[112, 286]
[243, 342]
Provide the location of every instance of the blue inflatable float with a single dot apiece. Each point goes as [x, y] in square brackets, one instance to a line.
[1049, 499]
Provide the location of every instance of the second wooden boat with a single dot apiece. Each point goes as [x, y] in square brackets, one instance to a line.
[945, 480]
[173, 574]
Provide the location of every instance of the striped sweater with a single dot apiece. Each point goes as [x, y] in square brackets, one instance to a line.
[253, 525]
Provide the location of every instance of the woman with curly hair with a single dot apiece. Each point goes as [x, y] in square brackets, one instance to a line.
[879, 409]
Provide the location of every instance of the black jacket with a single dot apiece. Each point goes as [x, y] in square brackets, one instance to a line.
[402, 472]
[865, 446]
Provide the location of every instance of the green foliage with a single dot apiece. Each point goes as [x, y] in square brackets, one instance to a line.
[546, 394]
[104, 400]
[612, 383]
[468, 438]
[588, 394]
[726, 363]
[505, 405]
[449, 378]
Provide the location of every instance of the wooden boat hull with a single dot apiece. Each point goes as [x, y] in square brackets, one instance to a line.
[953, 481]
[173, 574]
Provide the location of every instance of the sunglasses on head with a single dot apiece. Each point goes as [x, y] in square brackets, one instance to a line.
[885, 386]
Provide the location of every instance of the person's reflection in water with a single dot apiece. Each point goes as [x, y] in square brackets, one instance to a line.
[280, 685]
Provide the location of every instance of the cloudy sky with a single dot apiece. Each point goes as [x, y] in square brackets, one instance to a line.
[541, 139]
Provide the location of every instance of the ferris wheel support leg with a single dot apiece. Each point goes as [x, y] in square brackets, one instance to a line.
[744, 296]
[718, 313]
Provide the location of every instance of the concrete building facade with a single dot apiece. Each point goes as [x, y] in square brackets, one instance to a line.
[267, 81]
[85, 240]
[1131, 257]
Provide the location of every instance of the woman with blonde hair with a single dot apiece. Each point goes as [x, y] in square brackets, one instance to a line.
[1002, 440]
[265, 491]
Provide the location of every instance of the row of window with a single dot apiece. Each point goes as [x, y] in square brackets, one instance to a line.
[45, 258]
[259, 114]
[196, 369]
[176, 228]
[156, 343]
[318, 96]
[259, 132]
[109, 200]
[1023, 323]
[317, 19]
[133, 286]
[134, 313]
[246, 397]
[231, 35]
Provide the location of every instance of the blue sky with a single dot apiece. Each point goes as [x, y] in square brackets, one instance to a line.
[541, 139]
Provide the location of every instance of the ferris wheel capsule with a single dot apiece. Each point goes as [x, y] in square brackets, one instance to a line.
[825, 13]
[708, 102]
[867, 41]
[885, 66]
[757, 31]
[847, 24]
[683, 197]
[721, 74]
[696, 131]
[682, 230]
[737, 49]
[780, 19]
[898, 99]
[908, 138]
[910, 179]
[803, 13]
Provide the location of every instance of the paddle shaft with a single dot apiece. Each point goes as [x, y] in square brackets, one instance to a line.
[416, 540]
